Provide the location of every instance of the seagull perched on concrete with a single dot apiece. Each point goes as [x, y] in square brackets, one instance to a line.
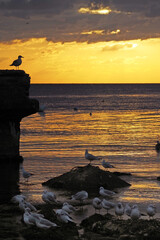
[135, 213]
[90, 157]
[97, 204]
[68, 208]
[17, 62]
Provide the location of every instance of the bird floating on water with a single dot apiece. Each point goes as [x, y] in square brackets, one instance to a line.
[107, 164]
[91, 157]
[17, 62]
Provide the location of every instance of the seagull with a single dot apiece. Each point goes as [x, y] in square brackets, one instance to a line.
[90, 157]
[97, 204]
[28, 219]
[35, 215]
[107, 205]
[18, 198]
[107, 164]
[49, 197]
[82, 195]
[105, 192]
[63, 216]
[24, 204]
[119, 209]
[68, 208]
[151, 210]
[17, 62]
[26, 174]
[127, 209]
[135, 213]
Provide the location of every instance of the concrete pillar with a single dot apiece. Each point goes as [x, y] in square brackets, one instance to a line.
[14, 105]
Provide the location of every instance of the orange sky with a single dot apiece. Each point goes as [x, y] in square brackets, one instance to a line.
[133, 61]
[82, 41]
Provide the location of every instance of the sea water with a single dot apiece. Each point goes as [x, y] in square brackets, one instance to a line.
[118, 122]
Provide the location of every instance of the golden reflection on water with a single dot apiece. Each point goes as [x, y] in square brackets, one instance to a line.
[55, 143]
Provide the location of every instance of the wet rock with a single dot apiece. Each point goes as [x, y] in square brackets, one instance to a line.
[88, 178]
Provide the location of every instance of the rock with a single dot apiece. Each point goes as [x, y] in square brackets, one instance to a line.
[122, 174]
[88, 178]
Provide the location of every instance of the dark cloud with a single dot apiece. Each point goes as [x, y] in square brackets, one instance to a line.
[59, 20]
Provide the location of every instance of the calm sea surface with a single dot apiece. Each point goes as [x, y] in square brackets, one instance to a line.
[123, 129]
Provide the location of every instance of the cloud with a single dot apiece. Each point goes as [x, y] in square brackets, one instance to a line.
[62, 21]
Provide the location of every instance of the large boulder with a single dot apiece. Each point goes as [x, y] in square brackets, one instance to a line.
[88, 178]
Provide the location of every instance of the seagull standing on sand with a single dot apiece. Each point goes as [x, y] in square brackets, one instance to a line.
[107, 164]
[105, 192]
[90, 157]
[17, 62]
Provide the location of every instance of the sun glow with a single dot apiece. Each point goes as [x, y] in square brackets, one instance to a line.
[103, 11]
[133, 61]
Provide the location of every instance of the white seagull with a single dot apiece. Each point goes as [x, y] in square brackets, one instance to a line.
[107, 164]
[63, 216]
[68, 208]
[119, 209]
[107, 204]
[90, 157]
[28, 219]
[25, 174]
[17, 62]
[135, 213]
[82, 195]
[17, 198]
[151, 210]
[49, 197]
[105, 192]
[97, 204]
[127, 209]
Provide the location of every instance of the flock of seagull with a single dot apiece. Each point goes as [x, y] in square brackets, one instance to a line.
[31, 215]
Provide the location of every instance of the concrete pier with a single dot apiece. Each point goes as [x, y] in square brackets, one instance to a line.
[15, 104]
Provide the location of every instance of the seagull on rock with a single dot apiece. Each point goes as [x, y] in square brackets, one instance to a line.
[17, 62]
[107, 164]
[105, 192]
[68, 208]
[151, 210]
[82, 195]
[135, 213]
[107, 205]
[97, 204]
[49, 197]
[90, 157]
[119, 209]
[63, 216]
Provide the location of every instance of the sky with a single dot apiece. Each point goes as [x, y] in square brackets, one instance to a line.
[82, 41]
